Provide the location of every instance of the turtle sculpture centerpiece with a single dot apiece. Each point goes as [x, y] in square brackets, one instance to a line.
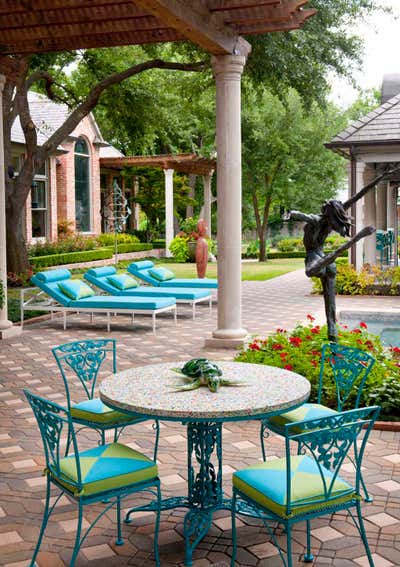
[202, 372]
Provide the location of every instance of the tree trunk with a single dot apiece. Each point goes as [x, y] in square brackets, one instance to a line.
[17, 256]
[262, 257]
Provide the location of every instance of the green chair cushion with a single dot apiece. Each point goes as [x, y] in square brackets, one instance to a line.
[162, 274]
[265, 484]
[95, 411]
[122, 281]
[302, 413]
[106, 467]
[76, 289]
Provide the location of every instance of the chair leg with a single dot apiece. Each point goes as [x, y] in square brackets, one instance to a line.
[367, 497]
[262, 440]
[78, 535]
[156, 427]
[289, 545]
[157, 527]
[234, 542]
[308, 557]
[45, 519]
[363, 534]
[119, 540]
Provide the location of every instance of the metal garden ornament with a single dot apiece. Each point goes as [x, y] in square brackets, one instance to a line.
[202, 372]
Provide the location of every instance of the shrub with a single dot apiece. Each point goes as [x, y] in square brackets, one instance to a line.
[288, 244]
[371, 280]
[65, 228]
[300, 351]
[21, 279]
[108, 239]
[133, 247]
[159, 243]
[189, 225]
[179, 248]
[71, 244]
[252, 249]
[71, 257]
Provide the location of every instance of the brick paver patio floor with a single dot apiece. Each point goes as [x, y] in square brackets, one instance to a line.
[26, 362]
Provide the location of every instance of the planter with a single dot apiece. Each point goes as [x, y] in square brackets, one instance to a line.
[192, 250]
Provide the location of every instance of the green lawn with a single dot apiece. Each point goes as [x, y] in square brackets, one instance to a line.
[250, 270]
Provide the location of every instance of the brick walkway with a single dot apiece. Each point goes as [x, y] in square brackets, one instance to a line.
[26, 362]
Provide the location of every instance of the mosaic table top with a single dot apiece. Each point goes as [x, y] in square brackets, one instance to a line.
[151, 391]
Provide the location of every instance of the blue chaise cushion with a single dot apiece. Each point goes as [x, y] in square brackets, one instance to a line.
[101, 272]
[53, 275]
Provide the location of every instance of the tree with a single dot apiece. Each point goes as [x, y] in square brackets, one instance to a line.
[15, 103]
[285, 162]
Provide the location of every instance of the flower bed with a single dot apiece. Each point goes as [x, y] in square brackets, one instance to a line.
[300, 351]
[371, 280]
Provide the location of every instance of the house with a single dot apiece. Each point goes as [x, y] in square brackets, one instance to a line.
[372, 146]
[72, 186]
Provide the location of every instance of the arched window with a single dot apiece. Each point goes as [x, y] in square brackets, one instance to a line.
[82, 186]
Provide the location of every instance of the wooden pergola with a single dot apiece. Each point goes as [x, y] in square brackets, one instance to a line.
[217, 26]
[182, 163]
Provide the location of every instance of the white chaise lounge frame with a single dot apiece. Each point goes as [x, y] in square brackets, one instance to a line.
[41, 301]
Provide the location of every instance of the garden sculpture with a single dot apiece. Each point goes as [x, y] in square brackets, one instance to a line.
[201, 249]
[333, 217]
[202, 372]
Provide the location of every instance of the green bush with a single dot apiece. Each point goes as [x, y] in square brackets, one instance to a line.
[108, 239]
[179, 248]
[133, 247]
[290, 245]
[252, 249]
[300, 351]
[71, 258]
[158, 243]
[71, 244]
[371, 280]
[189, 225]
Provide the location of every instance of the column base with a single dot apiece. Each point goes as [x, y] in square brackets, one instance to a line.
[10, 332]
[215, 343]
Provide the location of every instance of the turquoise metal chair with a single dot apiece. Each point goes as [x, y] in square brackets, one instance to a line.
[83, 359]
[350, 369]
[301, 487]
[104, 473]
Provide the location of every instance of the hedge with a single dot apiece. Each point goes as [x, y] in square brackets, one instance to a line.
[281, 255]
[71, 257]
[158, 243]
[133, 247]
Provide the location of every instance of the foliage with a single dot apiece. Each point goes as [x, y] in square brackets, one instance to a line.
[371, 280]
[189, 225]
[65, 228]
[179, 248]
[159, 243]
[291, 244]
[134, 247]
[108, 239]
[21, 279]
[252, 249]
[300, 351]
[39, 262]
[285, 163]
[1, 295]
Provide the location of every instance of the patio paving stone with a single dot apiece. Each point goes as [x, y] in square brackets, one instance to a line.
[281, 302]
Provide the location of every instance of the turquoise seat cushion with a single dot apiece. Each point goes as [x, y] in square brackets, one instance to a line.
[162, 274]
[122, 281]
[76, 289]
[204, 283]
[105, 467]
[108, 303]
[52, 290]
[302, 413]
[95, 411]
[265, 484]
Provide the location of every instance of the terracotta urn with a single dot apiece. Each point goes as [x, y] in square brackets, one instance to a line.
[201, 249]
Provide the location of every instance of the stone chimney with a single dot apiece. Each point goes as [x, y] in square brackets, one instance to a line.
[390, 87]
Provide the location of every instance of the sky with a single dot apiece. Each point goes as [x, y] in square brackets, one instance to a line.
[381, 35]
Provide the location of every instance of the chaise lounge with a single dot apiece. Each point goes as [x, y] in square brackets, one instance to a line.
[162, 277]
[123, 285]
[66, 295]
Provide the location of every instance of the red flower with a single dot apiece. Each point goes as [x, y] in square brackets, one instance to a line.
[316, 353]
[283, 355]
[345, 326]
[281, 330]
[395, 349]
[277, 346]
[356, 331]
[309, 337]
[314, 363]
[310, 317]
[254, 346]
[363, 325]
[288, 367]
[295, 341]
[359, 341]
[315, 330]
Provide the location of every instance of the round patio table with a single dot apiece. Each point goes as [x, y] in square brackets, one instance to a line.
[151, 391]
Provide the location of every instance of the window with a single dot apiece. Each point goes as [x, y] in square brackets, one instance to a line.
[39, 206]
[82, 186]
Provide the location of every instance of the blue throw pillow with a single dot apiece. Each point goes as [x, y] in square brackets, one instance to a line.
[122, 281]
[76, 289]
[162, 274]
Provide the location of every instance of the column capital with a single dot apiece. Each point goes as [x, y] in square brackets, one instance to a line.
[168, 172]
[2, 82]
[230, 66]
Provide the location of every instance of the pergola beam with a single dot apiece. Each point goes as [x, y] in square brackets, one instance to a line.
[195, 24]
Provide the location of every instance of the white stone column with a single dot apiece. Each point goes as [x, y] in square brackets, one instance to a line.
[169, 209]
[207, 201]
[358, 216]
[6, 327]
[227, 71]
[381, 205]
[391, 206]
[370, 220]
